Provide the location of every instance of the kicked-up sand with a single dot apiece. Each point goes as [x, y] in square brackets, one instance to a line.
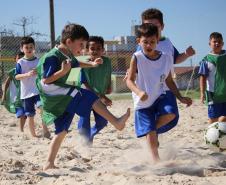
[116, 157]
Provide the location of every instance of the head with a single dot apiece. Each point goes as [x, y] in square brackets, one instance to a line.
[147, 37]
[27, 46]
[95, 46]
[19, 55]
[153, 16]
[216, 42]
[74, 37]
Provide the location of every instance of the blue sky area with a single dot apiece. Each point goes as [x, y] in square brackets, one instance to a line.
[186, 22]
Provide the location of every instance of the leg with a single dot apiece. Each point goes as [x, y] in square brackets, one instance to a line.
[45, 129]
[100, 123]
[152, 141]
[118, 123]
[164, 119]
[31, 124]
[62, 124]
[54, 148]
[90, 101]
[22, 122]
[84, 126]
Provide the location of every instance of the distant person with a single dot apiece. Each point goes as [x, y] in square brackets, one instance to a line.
[97, 80]
[26, 74]
[11, 95]
[62, 101]
[149, 73]
[213, 79]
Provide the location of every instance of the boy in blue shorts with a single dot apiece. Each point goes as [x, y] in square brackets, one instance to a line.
[62, 101]
[149, 73]
[11, 95]
[213, 79]
[26, 74]
[97, 80]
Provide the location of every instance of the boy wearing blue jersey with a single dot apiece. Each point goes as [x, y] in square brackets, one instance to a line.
[213, 79]
[98, 80]
[26, 74]
[149, 73]
[62, 101]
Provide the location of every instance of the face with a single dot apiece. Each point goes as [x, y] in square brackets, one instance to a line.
[156, 23]
[76, 46]
[216, 45]
[148, 44]
[95, 50]
[28, 50]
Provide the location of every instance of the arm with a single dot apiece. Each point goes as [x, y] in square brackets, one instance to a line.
[20, 76]
[202, 84]
[130, 81]
[95, 63]
[183, 56]
[65, 68]
[5, 87]
[172, 86]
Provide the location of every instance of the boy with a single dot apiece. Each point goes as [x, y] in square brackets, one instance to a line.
[149, 72]
[213, 79]
[62, 101]
[98, 80]
[155, 17]
[26, 73]
[11, 95]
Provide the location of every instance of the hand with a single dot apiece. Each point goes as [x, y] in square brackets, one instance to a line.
[143, 96]
[97, 61]
[66, 66]
[31, 73]
[126, 76]
[189, 51]
[106, 101]
[186, 100]
[109, 90]
[202, 98]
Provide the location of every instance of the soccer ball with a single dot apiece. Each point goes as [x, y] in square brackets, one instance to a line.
[215, 136]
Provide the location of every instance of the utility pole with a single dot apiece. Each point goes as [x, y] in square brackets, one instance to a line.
[51, 18]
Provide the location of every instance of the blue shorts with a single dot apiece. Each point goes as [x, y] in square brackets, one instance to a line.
[145, 119]
[172, 98]
[81, 105]
[20, 112]
[216, 110]
[29, 105]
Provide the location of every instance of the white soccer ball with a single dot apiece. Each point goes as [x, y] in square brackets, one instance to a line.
[215, 136]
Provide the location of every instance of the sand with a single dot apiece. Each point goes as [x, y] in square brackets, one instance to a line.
[115, 158]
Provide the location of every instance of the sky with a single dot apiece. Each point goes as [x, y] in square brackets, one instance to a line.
[187, 22]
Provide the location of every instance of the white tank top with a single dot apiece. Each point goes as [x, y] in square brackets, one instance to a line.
[151, 76]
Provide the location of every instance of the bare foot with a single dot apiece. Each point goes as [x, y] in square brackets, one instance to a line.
[121, 123]
[49, 166]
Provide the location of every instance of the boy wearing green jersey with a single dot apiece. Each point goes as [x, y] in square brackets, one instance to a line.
[61, 101]
[97, 80]
[213, 79]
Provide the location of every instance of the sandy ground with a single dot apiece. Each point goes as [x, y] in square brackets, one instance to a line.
[116, 158]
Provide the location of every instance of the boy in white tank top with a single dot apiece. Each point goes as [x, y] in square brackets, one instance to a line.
[149, 73]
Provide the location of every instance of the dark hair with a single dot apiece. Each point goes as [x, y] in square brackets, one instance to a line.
[147, 30]
[74, 31]
[96, 39]
[27, 40]
[20, 54]
[216, 35]
[152, 13]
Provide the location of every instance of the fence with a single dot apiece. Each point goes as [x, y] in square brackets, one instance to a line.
[119, 52]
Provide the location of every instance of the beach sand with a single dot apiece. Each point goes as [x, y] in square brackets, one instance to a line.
[115, 158]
